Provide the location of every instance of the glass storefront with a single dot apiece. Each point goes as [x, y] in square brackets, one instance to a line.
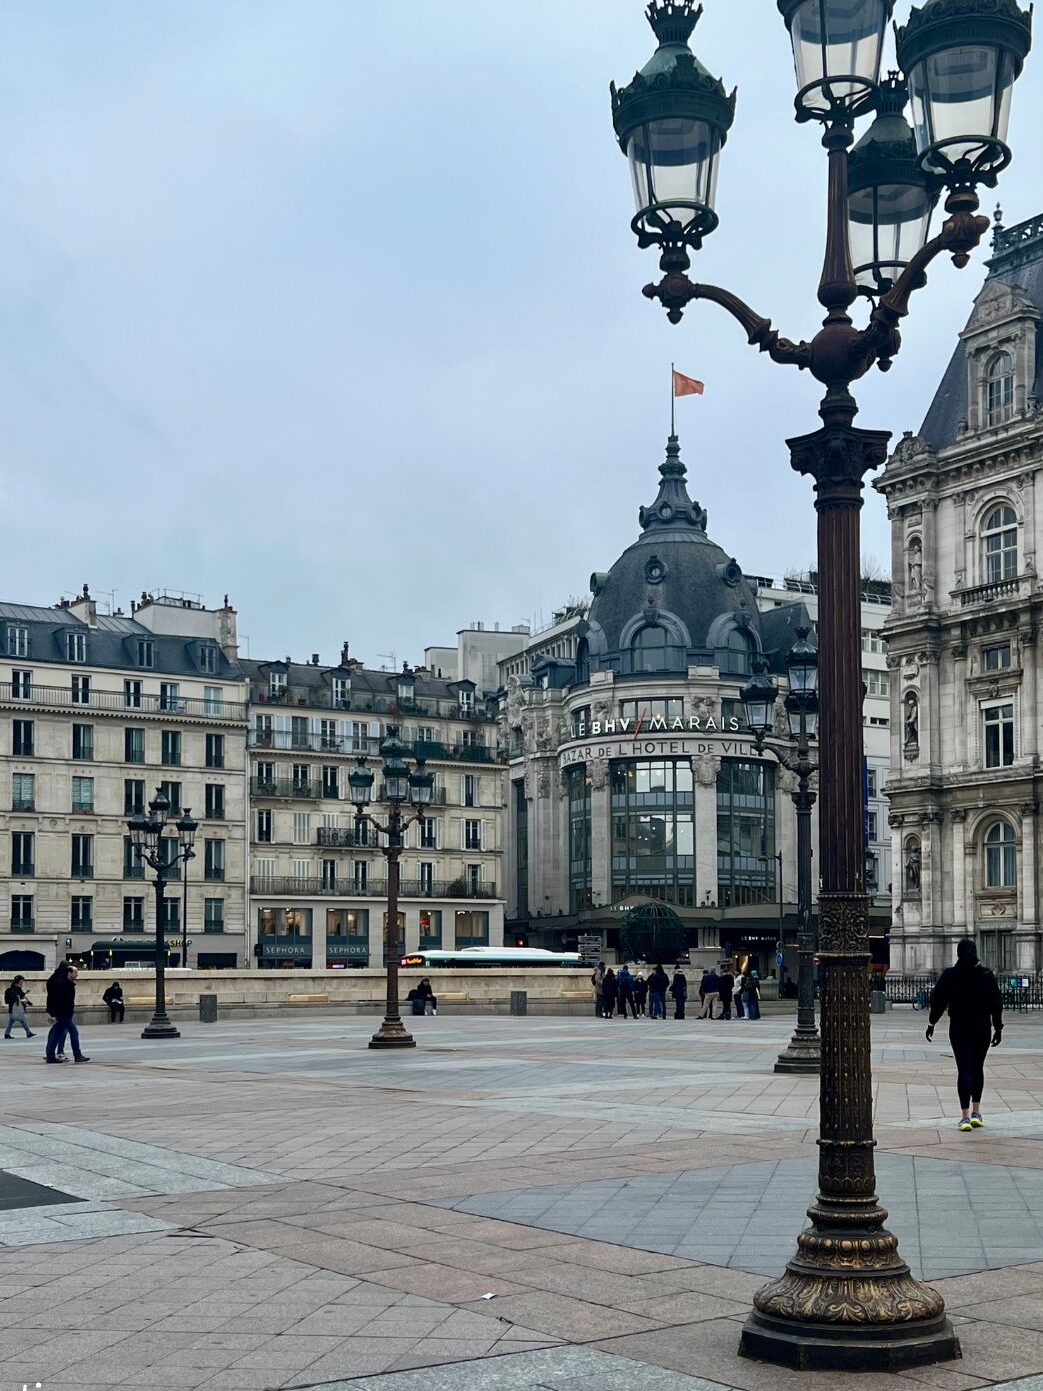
[653, 830]
[347, 937]
[746, 866]
[577, 787]
[284, 937]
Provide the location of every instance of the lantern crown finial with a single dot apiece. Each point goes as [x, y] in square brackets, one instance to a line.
[673, 20]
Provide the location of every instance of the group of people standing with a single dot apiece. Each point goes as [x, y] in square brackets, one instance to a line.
[619, 993]
[61, 1007]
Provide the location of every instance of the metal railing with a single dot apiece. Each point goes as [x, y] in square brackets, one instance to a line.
[321, 886]
[58, 697]
[284, 787]
[1018, 992]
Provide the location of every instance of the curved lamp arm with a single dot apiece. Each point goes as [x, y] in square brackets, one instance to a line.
[675, 291]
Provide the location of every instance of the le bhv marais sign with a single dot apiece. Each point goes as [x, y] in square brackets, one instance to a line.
[658, 737]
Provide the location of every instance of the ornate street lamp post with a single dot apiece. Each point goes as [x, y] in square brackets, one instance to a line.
[847, 1299]
[400, 786]
[162, 853]
[803, 1053]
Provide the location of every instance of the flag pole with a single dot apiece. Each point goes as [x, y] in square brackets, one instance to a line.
[672, 430]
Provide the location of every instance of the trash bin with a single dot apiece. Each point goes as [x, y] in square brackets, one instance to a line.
[208, 1009]
[877, 1002]
[519, 1002]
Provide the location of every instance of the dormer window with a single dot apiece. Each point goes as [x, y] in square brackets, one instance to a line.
[736, 654]
[341, 692]
[999, 389]
[146, 652]
[405, 690]
[276, 684]
[75, 647]
[208, 659]
[466, 702]
[1000, 544]
[17, 640]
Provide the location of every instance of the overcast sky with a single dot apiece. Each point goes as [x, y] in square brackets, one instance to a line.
[334, 306]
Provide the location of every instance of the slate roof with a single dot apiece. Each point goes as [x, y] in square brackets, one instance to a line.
[1018, 261]
[305, 676]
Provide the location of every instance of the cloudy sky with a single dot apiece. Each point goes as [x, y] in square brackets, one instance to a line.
[333, 306]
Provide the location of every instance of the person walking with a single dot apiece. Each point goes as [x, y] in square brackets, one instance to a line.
[679, 990]
[17, 1001]
[426, 993]
[597, 981]
[61, 1006]
[969, 992]
[608, 993]
[658, 985]
[625, 993]
[727, 990]
[711, 991]
[640, 992]
[751, 996]
[113, 997]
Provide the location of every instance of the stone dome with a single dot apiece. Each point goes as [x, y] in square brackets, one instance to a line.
[677, 583]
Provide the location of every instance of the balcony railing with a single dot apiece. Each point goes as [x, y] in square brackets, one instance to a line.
[284, 787]
[24, 925]
[279, 885]
[23, 804]
[57, 697]
[987, 593]
[366, 703]
[286, 740]
[333, 838]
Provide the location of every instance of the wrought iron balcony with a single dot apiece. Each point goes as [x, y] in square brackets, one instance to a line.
[446, 888]
[284, 787]
[116, 702]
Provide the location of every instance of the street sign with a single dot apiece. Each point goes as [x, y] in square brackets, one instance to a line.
[779, 958]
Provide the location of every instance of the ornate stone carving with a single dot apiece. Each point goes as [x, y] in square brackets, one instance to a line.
[529, 782]
[957, 814]
[598, 770]
[543, 784]
[843, 924]
[911, 725]
[545, 736]
[706, 767]
[787, 781]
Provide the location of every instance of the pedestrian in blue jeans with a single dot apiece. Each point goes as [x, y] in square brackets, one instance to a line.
[658, 984]
[61, 1005]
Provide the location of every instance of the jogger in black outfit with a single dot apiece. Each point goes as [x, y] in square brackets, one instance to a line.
[970, 993]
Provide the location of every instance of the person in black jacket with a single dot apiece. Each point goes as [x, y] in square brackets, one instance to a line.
[113, 997]
[61, 1005]
[679, 990]
[609, 989]
[16, 1001]
[658, 985]
[970, 993]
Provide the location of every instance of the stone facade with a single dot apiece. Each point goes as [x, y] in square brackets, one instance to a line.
[96, 712]
[965, 506]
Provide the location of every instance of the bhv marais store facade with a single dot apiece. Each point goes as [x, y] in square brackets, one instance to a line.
[632, 775]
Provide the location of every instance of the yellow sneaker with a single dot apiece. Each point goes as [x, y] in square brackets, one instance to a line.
[976, 1120]
[965, 1126]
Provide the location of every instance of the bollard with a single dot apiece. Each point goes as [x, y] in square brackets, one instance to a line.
[877, 1002]
[519, 1002]
[208, 1009]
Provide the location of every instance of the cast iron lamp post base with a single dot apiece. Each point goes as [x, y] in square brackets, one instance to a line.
[801, 1054]
[392, 1034]
[817, 1346]
[158, 1027]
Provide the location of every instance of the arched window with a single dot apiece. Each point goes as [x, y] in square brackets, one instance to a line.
[1000, 538]
[999, 389]
[735, 656]
[582, 661]
[1001, 864]
[649, 651]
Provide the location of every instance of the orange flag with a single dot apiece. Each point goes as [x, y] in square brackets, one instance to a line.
[687, 386]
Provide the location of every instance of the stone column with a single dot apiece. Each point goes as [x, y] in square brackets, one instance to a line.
[970, 879]
[705, 768]
[958, 817]
[600, 831]
[318, 939]
[961, 754]
[1028, 920]
[1028, 735]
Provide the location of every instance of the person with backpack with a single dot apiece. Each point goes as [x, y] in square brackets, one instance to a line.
[61, 1005]
[972, 997]
[658, 984]
[17, 1001]
[113, 997]
[625, 992]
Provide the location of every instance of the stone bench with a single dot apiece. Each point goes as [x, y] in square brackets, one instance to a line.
[309, 999]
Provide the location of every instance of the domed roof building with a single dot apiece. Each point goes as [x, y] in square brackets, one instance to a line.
[633, 776]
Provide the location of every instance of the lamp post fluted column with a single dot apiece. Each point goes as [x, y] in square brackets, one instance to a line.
[392, 1032]
[160, 1026]
[162, 853]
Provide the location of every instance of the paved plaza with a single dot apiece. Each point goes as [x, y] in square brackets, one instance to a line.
[519, 1205]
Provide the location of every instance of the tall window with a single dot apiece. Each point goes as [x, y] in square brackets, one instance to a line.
[133, 864]
[213, 915]
[132, 694]
[431, 929]
[208, 659]
[212, 700]
[582, 661]
[215, 750]
[169, 696]
[736, 654]
[264, 827]
[172, 790]
[330, 781]
[999, 389]
[21, 685]
[81, 690]
[1001, 868]
[428, 834]
[22, 913]
[83, 742]
[133, 915]
[276, 684]
[653, 830]
[472, 835]
[146, 652]
[133, 796]
[22, 738]
[82, 857]
[82, 913]
[23, 855]
[341, 692]
[83, 794]
[23, 792]
[745, 833]
[214, 860]
[76, 647]
[470, 790]
[650, 651]
[214, 801]
[133, 745]
[999, 735]
[17, 640]
[1000, 539]
[577, 788]
[170, 747]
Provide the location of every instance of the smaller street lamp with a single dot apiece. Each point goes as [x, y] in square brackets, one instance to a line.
[401, 785]
[162, 853]
[837, 49]
[803, 1053]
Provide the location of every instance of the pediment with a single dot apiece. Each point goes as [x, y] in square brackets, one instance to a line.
[998, 301]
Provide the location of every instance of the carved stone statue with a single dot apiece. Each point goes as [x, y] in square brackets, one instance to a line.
[598, 769]
[706, 767]
[914, 593]
[912, 723]
[912, 867]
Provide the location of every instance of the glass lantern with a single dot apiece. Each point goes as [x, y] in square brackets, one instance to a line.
[758, 698]
[837, 50]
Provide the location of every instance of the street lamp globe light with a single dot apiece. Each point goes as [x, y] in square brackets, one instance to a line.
[802, 663]
[837, 49]
[758, 698]
[421, 785]
[890, 197]
[962, 62]
[186, 833]
[671, 122]
[396, 774]
[137, 825]
[360, 780]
